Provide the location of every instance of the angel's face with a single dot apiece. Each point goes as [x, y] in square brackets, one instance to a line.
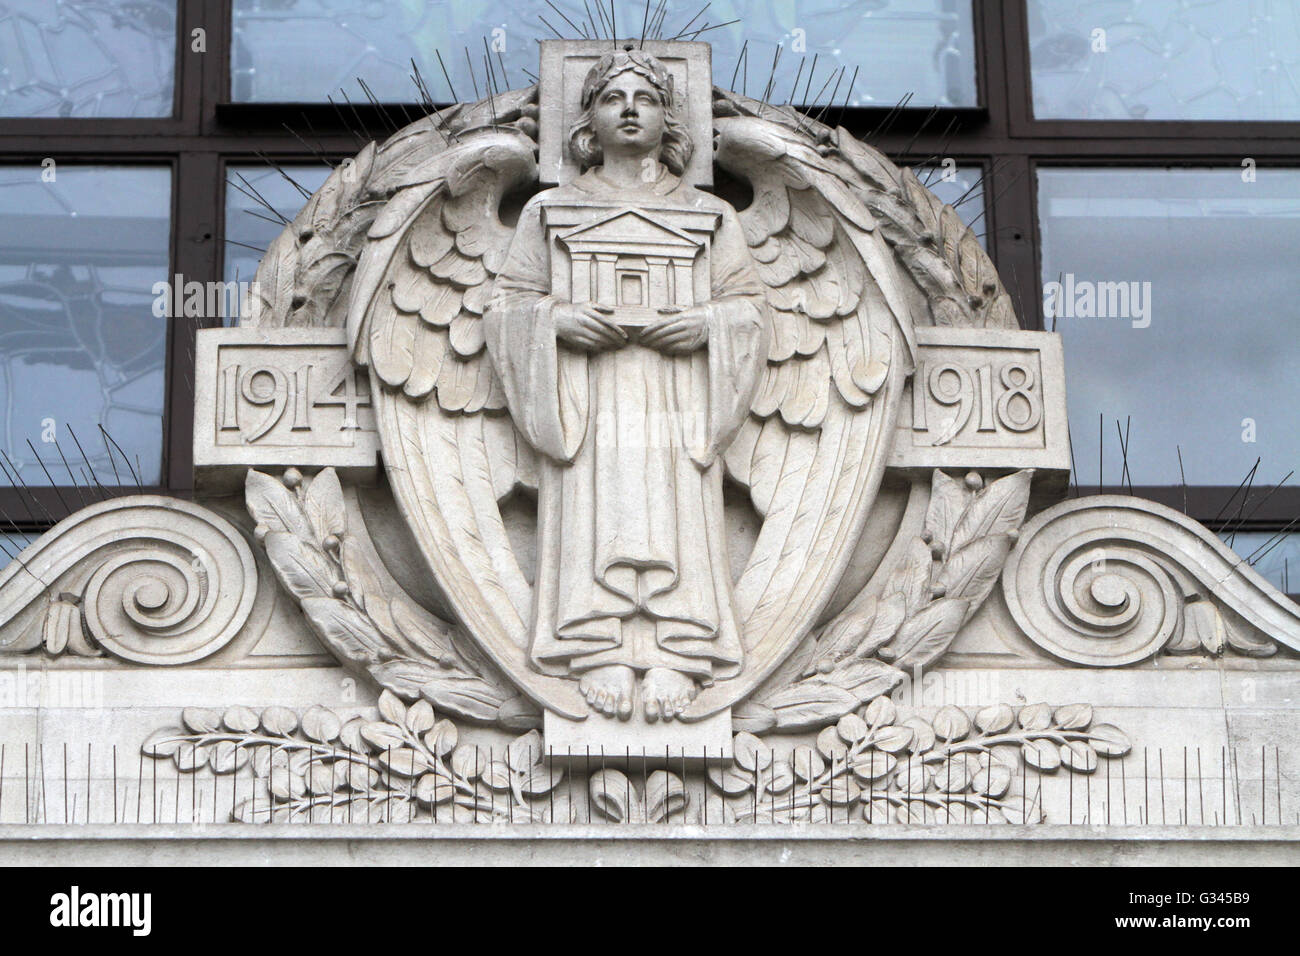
[629, 116]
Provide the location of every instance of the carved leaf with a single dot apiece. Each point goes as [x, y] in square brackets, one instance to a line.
[279, 721]
[226, 757]
[442, 739]
[874, 765]
[405, 676]
[993, 778]
[971, 571]
[831, 745]
[382, 736]
[913, 776]
[1035, 716]
[301, 568]
[730, 780]
[864, 679]
[405, 761]
[346, 630]
[519, 713]
[927, 634]
[541, 778]
[363, 583]
[753, 717]
[190, 756]
[163, 743]
[948, 500]
[323, 503]
[1073, 716]
[1041, 754]
[392, 708]
[954, 774]
[892, 739]
[852, 729]
[995, 719]
[525, 751]
[809, 703]
[912, 577]
[924, 738]
[665, 795]
[806, 762]
[321, 725]
[880, 712]
[612, 796]
[890, 614]
[1109, 740]
[471, 697]
[432, 789]
[274, 506]
[240, 719]
[419, 717]
[201, 720]
[951, 723]
[998, 509]
[1077, 755]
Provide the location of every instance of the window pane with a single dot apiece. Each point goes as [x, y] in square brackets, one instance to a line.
[247, 222]
[77, 58]
[922, 47]
[1165, 59]
[80, 345]
[1177, 296]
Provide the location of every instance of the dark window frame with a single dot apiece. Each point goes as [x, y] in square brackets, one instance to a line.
[207, 133]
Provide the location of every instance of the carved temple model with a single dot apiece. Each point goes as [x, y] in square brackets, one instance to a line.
[857, 466]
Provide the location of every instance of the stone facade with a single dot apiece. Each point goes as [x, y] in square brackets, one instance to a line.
[343, 628]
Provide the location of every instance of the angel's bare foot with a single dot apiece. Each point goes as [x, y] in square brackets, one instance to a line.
[666, 693]
[608, 689]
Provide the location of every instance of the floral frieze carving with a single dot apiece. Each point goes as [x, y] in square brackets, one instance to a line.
[879, 764]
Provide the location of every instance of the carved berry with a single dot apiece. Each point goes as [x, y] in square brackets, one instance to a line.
[292, 477]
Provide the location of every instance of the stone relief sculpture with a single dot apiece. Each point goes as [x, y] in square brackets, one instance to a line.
[781, 452]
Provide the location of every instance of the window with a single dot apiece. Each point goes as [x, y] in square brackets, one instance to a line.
[918, 48]
[80, 345]
[81, 59]
[1171, 281]
[1165, 59]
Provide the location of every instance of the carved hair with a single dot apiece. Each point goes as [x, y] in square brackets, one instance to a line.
[675, 148]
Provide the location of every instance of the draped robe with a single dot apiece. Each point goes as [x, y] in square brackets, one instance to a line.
[632, 562]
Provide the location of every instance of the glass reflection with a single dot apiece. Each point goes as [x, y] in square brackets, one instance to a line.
[80, 344]
[1165, 59]
[1176, 293]
[87, 58]
[920, 47]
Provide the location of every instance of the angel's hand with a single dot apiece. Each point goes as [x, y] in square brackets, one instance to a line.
[680, 331]
[587, 327]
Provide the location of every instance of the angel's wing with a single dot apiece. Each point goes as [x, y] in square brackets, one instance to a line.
[450, 451]
[812, 452]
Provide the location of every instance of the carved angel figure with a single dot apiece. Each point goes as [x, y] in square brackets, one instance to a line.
[633, 578]
[625, 347]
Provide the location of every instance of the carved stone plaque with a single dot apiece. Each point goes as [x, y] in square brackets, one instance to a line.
[985, 399]
[279, 397]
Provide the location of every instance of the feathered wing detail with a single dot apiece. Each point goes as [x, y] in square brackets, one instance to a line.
[813, 450]
[450, 450]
